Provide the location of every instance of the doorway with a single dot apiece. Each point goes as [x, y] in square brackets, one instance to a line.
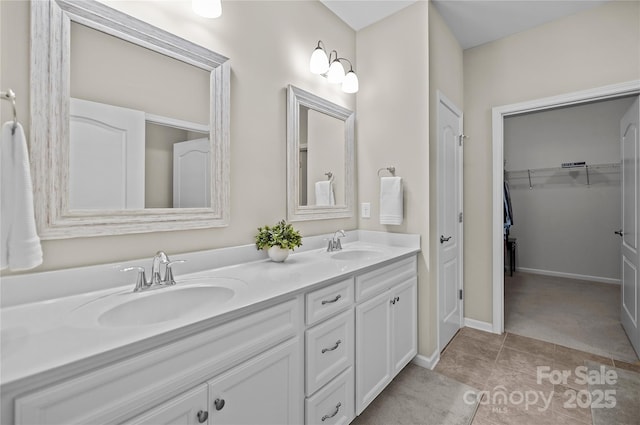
[449, 220]
[498, 116]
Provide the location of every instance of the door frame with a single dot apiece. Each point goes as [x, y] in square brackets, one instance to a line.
[442, 99]
[498, 114]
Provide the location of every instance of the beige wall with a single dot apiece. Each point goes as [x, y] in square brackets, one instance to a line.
[446, 75]
[393, 130]
[594, 48]
[269, 44]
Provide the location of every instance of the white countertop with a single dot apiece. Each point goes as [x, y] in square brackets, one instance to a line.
[61, 333]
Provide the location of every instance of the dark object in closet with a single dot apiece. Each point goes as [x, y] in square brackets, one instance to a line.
[511, 254]
[508, 212]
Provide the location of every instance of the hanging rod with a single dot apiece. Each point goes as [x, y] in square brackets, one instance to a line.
[612, 166]
[391, 170]
[11, 96]
[531, 173]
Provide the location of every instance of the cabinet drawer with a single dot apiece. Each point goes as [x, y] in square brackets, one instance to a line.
[117, 392]
[329, 350]
[333, 404]
[379, 280]
[324, 302]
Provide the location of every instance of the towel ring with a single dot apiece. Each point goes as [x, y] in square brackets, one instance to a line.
[11, 96]
[329, 175]
[391, 170]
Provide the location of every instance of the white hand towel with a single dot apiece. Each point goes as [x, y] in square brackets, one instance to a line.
[324, 193]
[391, 200]
[20, 244]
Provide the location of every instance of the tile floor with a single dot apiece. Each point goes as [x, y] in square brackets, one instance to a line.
[506, 365]
[573, 313]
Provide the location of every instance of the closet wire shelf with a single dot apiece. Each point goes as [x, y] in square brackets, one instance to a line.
[573, 176]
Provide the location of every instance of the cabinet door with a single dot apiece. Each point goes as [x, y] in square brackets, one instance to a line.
[373, 349]
[404, 324]
[264, 390]
[189, 408]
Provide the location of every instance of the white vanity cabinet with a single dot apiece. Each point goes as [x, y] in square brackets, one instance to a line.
[189, 408]
[318, 355]
[386, 327]
[263, 390]
[329, 354]
[254, 363]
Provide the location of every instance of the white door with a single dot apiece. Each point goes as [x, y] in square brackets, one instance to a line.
[189, 408]
[106, 156]
[449, 220]
[404, 324]
[630, 150]
[192, 174]
[373, 349]
[264, 390]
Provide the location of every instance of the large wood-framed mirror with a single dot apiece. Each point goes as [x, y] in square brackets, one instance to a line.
[320, 158]
[121, 113]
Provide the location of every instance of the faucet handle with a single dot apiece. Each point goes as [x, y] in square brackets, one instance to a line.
[141, 279]
[169, 280]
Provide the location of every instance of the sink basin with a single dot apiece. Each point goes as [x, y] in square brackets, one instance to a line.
[164, 304]
[356, 254]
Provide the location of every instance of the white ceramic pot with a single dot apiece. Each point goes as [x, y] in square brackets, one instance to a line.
[278, 254]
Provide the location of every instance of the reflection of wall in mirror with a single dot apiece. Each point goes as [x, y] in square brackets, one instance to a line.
[326, 153]
[131, 76]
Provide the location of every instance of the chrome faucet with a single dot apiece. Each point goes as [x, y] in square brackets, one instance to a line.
[158, 260]
[334, 243]
[157, 277]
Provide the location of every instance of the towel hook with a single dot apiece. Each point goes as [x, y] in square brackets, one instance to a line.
[11, 96]
[329, 175]
[391, 170]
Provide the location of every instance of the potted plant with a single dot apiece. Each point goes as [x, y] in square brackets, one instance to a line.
[278, 240]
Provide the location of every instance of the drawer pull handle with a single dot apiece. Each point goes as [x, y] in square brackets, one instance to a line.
[219, 403]
[332, 301]
[202, 416]
[325, 417]
[338, 342]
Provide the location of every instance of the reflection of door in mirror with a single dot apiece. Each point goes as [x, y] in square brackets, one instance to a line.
[131, 76]
[322, 147]
[191, 162]
[106, 156]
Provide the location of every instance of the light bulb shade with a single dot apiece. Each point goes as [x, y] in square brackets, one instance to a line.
[350, 83]
[336, 72]
[319, 63]
[207, 8]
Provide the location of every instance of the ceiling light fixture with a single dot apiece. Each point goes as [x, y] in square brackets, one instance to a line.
[207, 8]
[331, 68]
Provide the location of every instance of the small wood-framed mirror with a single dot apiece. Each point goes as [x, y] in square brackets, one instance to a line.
[320, 158]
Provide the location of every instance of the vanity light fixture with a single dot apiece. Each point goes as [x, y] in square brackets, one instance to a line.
[207, 8]
[331, 68]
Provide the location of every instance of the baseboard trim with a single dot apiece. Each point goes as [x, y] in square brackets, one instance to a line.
[427, 362]
[477, 324]
[571, 275]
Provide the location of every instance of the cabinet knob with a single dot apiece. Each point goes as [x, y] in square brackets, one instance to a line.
[219, 403]
[202, 416]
